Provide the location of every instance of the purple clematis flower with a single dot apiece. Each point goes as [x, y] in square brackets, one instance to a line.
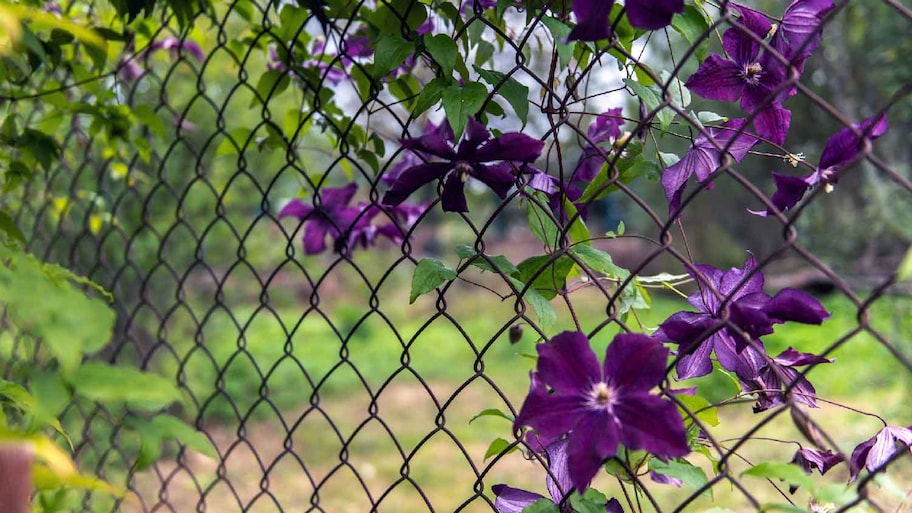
[798, 34]
[177, 47]
[514, 500]
[705, 157]
[810, 459]
[593, 17]
[478, 156]
[348, 225]
[605, 128]
[748, 75]
[874, 453]
[841, 151]
[603, 406]
[758, 376]
[752, 313]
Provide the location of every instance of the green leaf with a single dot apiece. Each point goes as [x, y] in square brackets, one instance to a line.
[904, 273]
[429, 274]
[548, 275]
[578, 231]
[693, 26]
[544, 310]
[593, 501]
[164, 427]
[683, 470]
[118, 384]
[542, 506]
[461, 102]
[792, 474]
[148, 117]
[599, 261]
[430, 95]
[391, 51]
[541, 220]
[559, 31]
[483, 53]
[9, 226]
[443, 49]
[499, 445]
[500, 263]
[270, 84]
[491, 412]
[514, 92]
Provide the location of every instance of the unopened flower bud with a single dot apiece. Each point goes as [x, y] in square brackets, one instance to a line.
[515, 333]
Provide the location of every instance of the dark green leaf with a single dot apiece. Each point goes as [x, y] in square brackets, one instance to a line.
[430, 95]
[500, 263]
[541, 221]
[693, 26]
[542, 506]
[498, 446]
[514, 92]
[792, 474]
[9, 226]
[544, 310]
[460, 103]
[444, 51]
[559, 31]
[547, 276]
[429, 274]
[391, 52]
[491, 412]
[483, 52]
[593, 501]
[115, 384]
[270, 84]
[599, 261]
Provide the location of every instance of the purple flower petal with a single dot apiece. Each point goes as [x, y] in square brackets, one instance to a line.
[653, 14]
[798, 35]
[595, 439]
[795, 305]
[453, 198]
[567, 363]
[315, 236]
[743, 44]
[592, 20]
[607, 126]
[772, 122]
[432, 143]
[512, 146]
[635, 362]
[844, 146]
[792, 358]
[512, 500]
[698, 363]
[717, 78]
[296, 208]
[551, 415]
[663, 479]
[789, 191]
[413, 179]
[499, 177]
[559, 485]
[654, 424]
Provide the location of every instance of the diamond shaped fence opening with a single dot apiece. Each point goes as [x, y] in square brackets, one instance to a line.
[302, 360]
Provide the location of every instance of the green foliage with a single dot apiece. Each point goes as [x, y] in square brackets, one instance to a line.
[429, 274]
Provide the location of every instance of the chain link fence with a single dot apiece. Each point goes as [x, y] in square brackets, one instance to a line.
[320, 386]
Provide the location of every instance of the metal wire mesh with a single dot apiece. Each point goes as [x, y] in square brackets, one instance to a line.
[308, 373]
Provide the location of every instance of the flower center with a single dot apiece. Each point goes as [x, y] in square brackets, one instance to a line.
[601, 396]
[751, 73]
[463, 170]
